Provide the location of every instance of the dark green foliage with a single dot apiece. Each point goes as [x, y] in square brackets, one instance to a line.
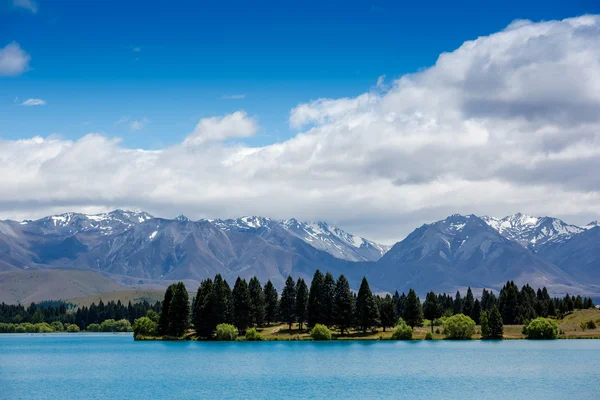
[495, 327]
[401, 301]
[469, 303]
[223, 301]
[387, 312]
[327, 299]
[301, 302]
[458, 304]
[287, 304]
[315, 300]
[257, 302]
[508, 303]
[205, 318]
[241, 305]
[163, 323]
[476, 313]
[343, 304]
[432, 309]
[179, 311]
[367, 313]
[413, 314]
[270, 302]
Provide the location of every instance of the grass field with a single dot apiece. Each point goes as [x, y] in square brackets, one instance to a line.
[125, 296]
[568, 327]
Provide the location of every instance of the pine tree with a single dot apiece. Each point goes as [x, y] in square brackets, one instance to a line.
[163, 322]
[179, 311]
[387, 312]
[223, 301]
[315, 298]
[367, 314]
[496, 327]
[301, 302]
[413, 313]
[400, 305]
[485, 325]
[469, 303]
[257, 302]
[432, 309]
[327, 299]
[458, 304]
[476, 313]
[343, 305]
[241, 305]
[205, 320]
[287, 304]
[508, 303]
[271, 299]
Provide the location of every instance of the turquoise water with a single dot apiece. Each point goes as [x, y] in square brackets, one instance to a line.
[105, 366]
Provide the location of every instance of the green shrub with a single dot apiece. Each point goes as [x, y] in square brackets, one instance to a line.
[93, 328]
[43, 327]
[542, 328]
[253, 335]
[428, 336]
[459, 327]
[123, 325]
[437, 331]
[57, 326]
[402, 331]
[320, 332]
[591, 324]
[29, 327]
[7, 328]
[145, 326]
[226, 332]
[20, 329]
[72, 328]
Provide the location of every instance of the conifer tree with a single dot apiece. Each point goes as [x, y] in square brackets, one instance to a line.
[223, 301]
[343, 305]
[257, 302]
[495, 323]
[327, 300]
[315, 299]
[476, 313]
[432, 309]
[301, 302]
[508, 303]
[468, 304]
[163, 322]
[205, 320]
[271, 299]
[179, 311]
[387, 312]
[241, 305]
[367, 313]
[458, 304]
[287, 304]
[413, 313]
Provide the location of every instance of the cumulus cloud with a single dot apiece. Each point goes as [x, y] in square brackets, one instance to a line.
[505, 123]
[33, 102]
[216, 129]
[26, 4]
[137, 124]
[13, 60]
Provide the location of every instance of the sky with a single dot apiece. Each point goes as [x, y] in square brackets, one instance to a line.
[375, 116]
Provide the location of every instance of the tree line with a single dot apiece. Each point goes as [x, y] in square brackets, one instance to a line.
[331, 302]
[63, 312]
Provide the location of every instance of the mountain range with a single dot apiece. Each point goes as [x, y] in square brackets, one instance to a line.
[134, 248]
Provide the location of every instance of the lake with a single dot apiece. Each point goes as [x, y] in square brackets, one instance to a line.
[108, 366]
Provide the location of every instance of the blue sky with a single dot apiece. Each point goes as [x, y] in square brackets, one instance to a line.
[167, 65]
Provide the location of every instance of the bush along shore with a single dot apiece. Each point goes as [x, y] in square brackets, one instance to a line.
[330, 310]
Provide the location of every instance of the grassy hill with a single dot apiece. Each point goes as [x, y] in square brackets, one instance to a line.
[133, 295]
[33, 286]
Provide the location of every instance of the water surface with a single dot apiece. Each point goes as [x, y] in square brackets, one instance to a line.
[106, 366]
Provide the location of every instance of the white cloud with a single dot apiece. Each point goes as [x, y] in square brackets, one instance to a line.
[216, 129]
[233, 97]
[380, 81]
[508, 122]
[136, 49]
[34, 102]
[13, 60]
[137, 124]
[27, 4]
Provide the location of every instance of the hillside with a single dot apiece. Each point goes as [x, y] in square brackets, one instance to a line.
[125, 296]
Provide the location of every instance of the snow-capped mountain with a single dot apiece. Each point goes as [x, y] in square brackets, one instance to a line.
[591, 225]
[319, 235]
[533, 231]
